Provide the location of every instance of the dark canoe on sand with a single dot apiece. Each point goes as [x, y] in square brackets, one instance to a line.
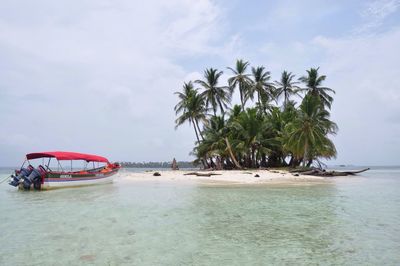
[319, 172]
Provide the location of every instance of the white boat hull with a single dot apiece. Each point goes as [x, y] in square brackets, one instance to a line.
[72, 182]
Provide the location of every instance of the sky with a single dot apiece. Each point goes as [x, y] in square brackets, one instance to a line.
[99, 76]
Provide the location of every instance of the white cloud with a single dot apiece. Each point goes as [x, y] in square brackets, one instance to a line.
[194, 29]
[98, 76]
[375, 12]
[364, 72]
[380, 9]
[363, 69]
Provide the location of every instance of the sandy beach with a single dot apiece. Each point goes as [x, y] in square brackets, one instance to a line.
[238, 177]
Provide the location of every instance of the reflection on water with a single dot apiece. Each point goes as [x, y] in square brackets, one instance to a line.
[353, 222]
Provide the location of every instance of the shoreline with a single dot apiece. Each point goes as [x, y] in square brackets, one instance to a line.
[224, 177]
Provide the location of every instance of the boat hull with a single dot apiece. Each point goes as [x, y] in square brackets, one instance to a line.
[62, 180]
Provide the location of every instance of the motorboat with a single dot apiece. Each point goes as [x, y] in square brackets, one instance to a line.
[49, 174]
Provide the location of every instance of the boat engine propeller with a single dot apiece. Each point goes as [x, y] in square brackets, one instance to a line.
[34, 178]
[31, 179]
[18, 178]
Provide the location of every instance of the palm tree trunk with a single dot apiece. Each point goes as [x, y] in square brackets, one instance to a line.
[285, 102]
[291, 161]
[195, 130]
[263, 162]
[218, 165]
[228, 145]
[197, 136]
[305, 153]
[253, 158]
[249, 160]
[241, 97]
[198, 128]
[220, 106]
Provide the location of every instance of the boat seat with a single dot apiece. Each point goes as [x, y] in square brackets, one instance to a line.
[42, 171]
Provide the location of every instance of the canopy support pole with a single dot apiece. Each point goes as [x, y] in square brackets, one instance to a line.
[60, 166]
[24, 163]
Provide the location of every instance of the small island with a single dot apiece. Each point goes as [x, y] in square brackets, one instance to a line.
[281, 123]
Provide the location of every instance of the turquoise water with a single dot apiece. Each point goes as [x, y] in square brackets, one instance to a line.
[352, 221]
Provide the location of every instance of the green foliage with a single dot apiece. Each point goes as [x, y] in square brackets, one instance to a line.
[275, 132]
[308, 131]
[286, 87]
[191, 108]
[265, 91]
[240, 80]
[313, 82]
[214, 95]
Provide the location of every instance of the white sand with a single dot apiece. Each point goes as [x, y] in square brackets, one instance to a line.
[224, 177]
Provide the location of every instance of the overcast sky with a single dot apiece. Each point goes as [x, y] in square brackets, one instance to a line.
[98, 76]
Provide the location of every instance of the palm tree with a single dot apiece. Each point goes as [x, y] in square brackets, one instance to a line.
[191, 108]
[313, 82]
[264, 135]
[272, 137]
[286, 87]
[240, 80]
[261, 86]
[216, 96]
[249, 127]
[287, 116]
[307, 134]
[216, 142]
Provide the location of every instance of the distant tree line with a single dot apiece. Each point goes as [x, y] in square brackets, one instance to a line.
[181, 164]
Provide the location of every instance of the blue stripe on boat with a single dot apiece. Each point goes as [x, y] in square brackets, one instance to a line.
[74, 179]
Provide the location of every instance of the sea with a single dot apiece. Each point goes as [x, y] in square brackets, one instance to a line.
[345, 221]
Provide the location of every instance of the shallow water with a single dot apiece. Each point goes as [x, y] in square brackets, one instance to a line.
[352, 221]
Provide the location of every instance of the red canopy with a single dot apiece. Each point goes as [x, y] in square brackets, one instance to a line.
[65, 155]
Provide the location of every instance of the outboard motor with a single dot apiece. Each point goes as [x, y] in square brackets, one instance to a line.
[24, 172]
[35, 177]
